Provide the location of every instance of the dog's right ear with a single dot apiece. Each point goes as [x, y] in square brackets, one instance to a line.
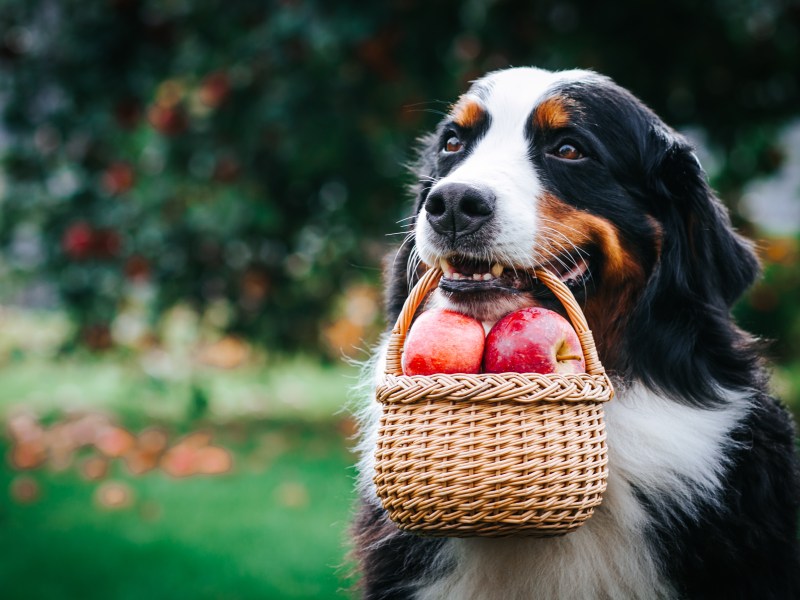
[695, 350]
[399, 274]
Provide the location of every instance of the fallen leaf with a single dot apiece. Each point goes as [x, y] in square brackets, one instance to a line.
[28, 455]
[114, 495]
[25, 490]
[114, 441]
[94, 468]
[213, 460]
[292, 494]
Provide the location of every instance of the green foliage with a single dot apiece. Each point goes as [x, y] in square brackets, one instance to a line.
[250, 153]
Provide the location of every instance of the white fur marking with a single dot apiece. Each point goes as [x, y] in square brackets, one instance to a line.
[662, 447]
[368, 415]
[501, 163]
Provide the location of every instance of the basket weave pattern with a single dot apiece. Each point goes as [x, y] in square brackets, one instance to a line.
[491, 454]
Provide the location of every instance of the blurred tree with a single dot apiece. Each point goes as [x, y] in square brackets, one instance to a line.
[250, 153]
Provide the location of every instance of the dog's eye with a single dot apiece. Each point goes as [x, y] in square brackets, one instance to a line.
[453, 144]
[569, 152]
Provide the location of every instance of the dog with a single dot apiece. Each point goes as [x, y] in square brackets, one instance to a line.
[569, 172]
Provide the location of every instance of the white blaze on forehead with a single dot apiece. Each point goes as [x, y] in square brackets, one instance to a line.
[512, 94]
[500, 161]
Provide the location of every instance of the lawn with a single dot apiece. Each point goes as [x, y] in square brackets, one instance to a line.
[93, 516]
[271, 526]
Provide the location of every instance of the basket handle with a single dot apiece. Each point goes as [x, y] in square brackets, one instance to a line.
[429, 281]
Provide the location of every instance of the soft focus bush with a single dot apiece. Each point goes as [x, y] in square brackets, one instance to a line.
[245, 157]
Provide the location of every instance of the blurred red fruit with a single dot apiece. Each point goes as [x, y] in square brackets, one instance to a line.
[105, 243]
[118, 178]
[137, 268]
[215, 89]
[77, 240]
[167, 120]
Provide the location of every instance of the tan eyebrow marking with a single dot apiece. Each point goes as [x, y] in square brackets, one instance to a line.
[552, 113]
[467, 112]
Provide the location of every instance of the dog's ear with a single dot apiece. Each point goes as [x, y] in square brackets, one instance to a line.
[701, 252]
[401, 270]
[683, 317]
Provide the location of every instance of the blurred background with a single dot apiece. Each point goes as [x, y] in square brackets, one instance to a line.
[195, 199]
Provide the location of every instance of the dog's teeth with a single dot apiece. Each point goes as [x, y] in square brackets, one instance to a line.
[488, 276]
[446, 268]
[477, 276]
[497, 269]
[455, 275]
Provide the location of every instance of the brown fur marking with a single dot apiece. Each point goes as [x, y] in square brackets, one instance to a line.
[622, 276]
[467, 112]
[552, 113]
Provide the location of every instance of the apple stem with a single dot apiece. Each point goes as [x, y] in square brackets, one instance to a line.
[563, 357]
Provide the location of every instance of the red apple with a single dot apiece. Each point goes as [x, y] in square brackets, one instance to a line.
[443, 341]
[533, 340]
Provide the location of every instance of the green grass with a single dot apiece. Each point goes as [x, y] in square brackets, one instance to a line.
[274, 527]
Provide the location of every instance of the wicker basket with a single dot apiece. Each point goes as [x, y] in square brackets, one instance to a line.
[491, 454]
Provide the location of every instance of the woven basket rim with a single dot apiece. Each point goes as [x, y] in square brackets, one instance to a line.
[426, 284]
[515, 388]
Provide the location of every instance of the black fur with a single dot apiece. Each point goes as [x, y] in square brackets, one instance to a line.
[680, 340]
[393, 563]
[705, 267]
[747, 546]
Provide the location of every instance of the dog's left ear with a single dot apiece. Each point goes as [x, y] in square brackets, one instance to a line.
[715, 263]
[696, 350]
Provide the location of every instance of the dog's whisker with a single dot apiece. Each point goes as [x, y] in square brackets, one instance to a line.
[567, 239]
[409, 236]
[414, 262]
[578, 232]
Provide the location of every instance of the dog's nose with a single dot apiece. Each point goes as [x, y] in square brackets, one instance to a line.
[456, 209]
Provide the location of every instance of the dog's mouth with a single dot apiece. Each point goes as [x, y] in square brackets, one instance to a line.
[463, 274]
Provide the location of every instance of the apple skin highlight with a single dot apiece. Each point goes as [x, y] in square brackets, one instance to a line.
[443, 341]
[533, 340]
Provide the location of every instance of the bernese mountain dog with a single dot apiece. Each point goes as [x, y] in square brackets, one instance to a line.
[570, 172]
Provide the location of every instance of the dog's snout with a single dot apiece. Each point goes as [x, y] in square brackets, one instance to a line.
[456, 209]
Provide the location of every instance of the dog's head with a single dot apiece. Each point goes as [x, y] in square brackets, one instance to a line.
[570, 172]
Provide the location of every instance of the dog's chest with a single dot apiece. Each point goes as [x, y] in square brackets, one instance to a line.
[608, 557]
[671, 452]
